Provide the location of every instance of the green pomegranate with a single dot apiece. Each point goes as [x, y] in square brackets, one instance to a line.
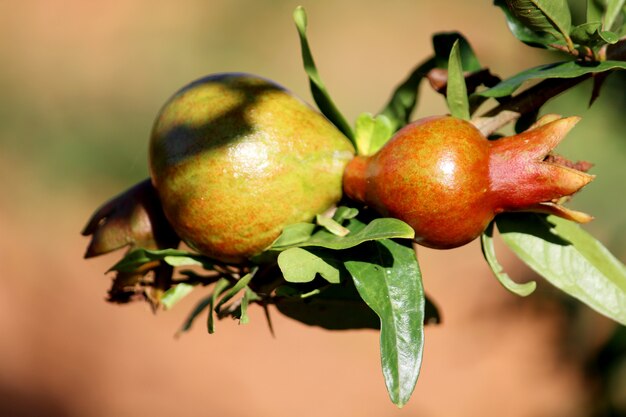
[448, 181]
[235, 158]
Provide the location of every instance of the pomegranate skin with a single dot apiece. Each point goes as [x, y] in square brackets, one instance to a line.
[235, 158]
[444, 178]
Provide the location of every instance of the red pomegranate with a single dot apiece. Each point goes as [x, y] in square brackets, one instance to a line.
[443, 177]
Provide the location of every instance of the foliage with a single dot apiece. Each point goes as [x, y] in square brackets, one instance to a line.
[351, 269]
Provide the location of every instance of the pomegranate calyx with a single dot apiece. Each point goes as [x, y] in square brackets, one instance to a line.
[527, 176]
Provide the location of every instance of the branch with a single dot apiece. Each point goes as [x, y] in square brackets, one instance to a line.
[536, 96]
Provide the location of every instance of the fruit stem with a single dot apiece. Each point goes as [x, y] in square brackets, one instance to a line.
[354, 178]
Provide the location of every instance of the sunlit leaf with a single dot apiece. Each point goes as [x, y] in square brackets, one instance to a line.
[489, 252]
[301, 265]
[569, 258]
[372, 132]
[381, 228]
[456, 93]
[387, 276]
[241, 284]
[294, 234]
[175, 294]
[566, 69]
[331, 225]
[318, 89]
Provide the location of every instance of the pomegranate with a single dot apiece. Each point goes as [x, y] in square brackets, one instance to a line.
[443, 177]
[235, 158]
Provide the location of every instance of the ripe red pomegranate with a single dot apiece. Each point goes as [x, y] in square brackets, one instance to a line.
[235, 158]
[443, 177]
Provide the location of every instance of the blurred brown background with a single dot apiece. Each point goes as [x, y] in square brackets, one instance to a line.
[80, 83]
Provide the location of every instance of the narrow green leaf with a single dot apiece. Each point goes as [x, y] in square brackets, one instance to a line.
[331, 225]
[318, 89]
[549, 16]
[372, 133]
[404, 98]
[239, 285]
[443, 44]
[489, 251]
[595, 11]
[182, 261]
[208, 301]
[176, 293]
[521, 31]
[220, 286]
[570, 259]
[456, 93]
[243, 308]
[565, 69]
[613, 10]
[388, 278]
[300, 265]
[174, 257]
[381, 228]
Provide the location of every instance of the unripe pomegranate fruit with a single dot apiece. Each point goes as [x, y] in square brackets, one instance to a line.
[448, 181]
[235, 158]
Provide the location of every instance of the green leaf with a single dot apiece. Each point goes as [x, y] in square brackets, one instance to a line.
[301, 265]
[404, 98]
[586, 33]
[331, 225]
[318, 89]
[595, 11]
[566, 69]
[208, 301]
[294, 234]
[239, 285]
[176, 293]
[388, 278]
[334, 307]
[489, 251]
[456, 93]
[443, 44]
[547, 16]
[372, 133]
[521, 31]
[609, 37]
[381, 228]
[612, 12]
[589, 34]
[174, 257]
[344, 213]
[570, 259]
[220, 286]
[248, 295]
